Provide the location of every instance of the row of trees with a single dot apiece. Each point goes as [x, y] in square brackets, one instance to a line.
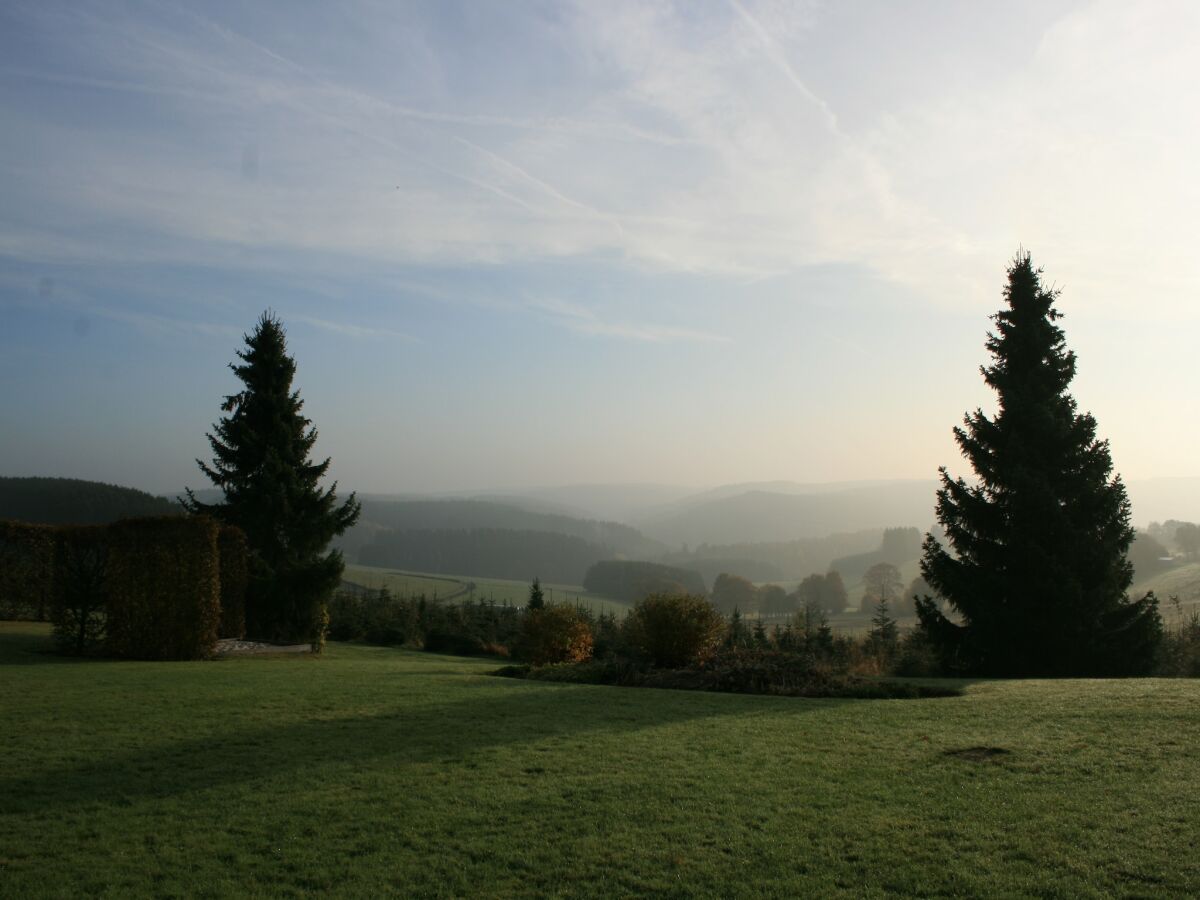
[824, 592]
[881, 583]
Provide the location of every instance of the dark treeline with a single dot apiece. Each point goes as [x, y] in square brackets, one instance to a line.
[789, 560]
[751, 569]
[633, 580]
[486, 552]
[74, 501]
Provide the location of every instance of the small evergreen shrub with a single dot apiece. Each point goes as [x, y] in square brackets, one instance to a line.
[557, 633]
[673, 631]
[917, 657]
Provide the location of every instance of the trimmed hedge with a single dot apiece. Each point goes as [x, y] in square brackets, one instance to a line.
[79, 582]
[235, 578]
[164, 587]
[147, 588]
[26, 570]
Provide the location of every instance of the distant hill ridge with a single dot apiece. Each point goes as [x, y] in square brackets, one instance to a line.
[75, 501]
[466, 515]
[807, 511]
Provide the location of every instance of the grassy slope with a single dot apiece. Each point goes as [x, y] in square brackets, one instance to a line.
[500, 590]
[375, 770]
[405, 584]
[1182, 582]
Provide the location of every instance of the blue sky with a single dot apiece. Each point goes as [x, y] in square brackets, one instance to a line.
[537, 243]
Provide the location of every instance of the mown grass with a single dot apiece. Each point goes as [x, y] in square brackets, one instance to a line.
[374, 771]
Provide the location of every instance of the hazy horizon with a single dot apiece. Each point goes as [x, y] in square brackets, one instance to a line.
[561, 244]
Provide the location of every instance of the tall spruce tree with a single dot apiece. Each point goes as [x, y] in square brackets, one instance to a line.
[1038, 574]
[271, 491]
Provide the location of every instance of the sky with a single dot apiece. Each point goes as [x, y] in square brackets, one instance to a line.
[537, 243]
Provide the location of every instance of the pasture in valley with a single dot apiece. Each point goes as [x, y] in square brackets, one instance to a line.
[374, 770]
[463, 587]
[1182, 582]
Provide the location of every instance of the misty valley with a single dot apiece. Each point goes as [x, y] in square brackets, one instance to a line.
[599, 448]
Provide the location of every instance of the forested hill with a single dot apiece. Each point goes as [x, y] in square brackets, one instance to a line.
[63, 501]
[469, 515]
[485, 553]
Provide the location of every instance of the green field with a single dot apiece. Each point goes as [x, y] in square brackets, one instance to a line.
[460, 587]
[372, 771]
[1182, 582]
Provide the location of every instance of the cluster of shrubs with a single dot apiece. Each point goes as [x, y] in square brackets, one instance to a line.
[670, 640]
[151, 588]
[675, 640]
[555, 633]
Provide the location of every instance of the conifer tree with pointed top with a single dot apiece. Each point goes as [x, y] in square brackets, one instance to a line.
[537, 597]
[272, 492]
[1037, 574]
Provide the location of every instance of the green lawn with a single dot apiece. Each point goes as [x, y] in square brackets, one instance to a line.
[459, 587]
[406, 584]
[374, 771]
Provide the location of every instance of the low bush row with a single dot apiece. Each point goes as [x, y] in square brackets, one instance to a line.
[736, 671]
[678, 641]
[470, 628]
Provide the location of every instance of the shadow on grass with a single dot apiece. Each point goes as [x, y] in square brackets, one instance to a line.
[463, 731]
[31, 643]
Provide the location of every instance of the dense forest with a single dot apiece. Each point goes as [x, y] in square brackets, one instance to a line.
[74, 501]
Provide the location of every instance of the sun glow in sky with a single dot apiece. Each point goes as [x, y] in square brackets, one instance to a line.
[553, 242]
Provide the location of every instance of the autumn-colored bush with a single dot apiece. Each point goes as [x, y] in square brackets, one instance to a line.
[557, 633]
[674, 631]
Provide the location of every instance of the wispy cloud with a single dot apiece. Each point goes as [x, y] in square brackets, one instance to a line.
[583, 320]
[663, 136]
[355, 331]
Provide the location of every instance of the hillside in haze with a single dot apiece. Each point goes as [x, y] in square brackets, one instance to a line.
[1159, 499]
[73, 501]
[487, 538]
[442, 514]
[789, 511]
[752, 516]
